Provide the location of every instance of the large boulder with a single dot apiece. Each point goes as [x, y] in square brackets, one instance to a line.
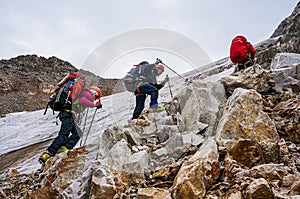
[285, 71]
[198, 173]
[199, 104]
[243, 117]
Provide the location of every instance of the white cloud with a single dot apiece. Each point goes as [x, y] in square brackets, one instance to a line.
[71, 30]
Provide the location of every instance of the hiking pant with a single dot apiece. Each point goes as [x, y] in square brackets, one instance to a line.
[245, 64]
[63, 138]
[140, 98]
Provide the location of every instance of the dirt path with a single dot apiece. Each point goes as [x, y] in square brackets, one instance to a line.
[13, 158]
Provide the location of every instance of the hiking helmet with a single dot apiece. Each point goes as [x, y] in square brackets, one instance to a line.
[96, 91]
[160, 66]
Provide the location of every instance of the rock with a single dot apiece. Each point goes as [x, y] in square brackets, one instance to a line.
[254, 77]
[103, 183]
[290, 111]
[243, 118]
[153, 193]
[247, 152]
[166, 132]
[259, 188]
[199, 104]
[118, 155]
[198, 173]
[13, 172]
[137, 163]
[285, 71]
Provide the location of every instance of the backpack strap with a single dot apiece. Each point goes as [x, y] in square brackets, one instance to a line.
[47, 108]
[138, 93]
[248, 48]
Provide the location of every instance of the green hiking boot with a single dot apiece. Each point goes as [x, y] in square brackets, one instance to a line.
[156, 109]
[159, 109]
[62, 149]
[44, 157]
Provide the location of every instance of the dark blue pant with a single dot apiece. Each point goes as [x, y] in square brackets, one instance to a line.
[245, 64]
[140, 98]
[63, 138]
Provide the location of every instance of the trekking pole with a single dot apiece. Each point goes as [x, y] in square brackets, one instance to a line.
[185, 79]
[172, 98]
[84, 124]
[170, 87]
[90, 126]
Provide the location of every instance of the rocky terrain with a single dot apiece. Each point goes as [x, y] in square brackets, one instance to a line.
[27, 80]
[223, 135]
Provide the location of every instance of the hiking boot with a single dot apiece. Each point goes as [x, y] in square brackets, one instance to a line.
[62, 149]
[44, 157]
[156, 109]
[159, 109]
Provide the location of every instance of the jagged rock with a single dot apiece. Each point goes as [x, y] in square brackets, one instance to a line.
[289, 112]
[80, 188]
[270, 152]
[180, 122]
[103, 183]
[198, 173]
[199, 104]
[254, 77]
[60, 172]
[259, 189]
[286, 157]
[243, 118]
[285, 60]
[285, 71]
[132, 137]
[168, 173]
[118, 155]
[247, 152]
[137, 163]
[167, 132]
[153, 193]
[13, 172]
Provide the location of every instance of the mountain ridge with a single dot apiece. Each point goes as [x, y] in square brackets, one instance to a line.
[27, 80]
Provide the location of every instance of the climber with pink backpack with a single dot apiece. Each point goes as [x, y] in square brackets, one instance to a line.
[70, 98]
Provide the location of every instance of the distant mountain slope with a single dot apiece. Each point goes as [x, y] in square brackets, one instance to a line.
[26, 79]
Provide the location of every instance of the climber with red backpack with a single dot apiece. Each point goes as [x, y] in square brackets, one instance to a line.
[73, 101]
[242, 52]
[142, 80]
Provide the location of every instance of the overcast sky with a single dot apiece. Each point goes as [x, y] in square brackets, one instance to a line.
[71, 29]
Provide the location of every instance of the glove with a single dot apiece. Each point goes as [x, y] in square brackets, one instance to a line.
[158, 61]
[158, 86]
[98, 104]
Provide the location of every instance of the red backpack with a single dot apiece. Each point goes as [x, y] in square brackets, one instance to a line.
[239, 49]
[68, 90]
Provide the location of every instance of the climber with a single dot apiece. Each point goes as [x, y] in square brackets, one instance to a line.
[146, 84]
[242, 52]
[89, 97]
